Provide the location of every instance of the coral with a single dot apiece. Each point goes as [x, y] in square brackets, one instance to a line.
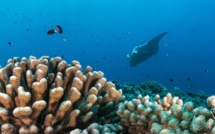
[95, 128]
[147, 88]
[166, 116]
[153, 86]
[128, 89]
[50, 96]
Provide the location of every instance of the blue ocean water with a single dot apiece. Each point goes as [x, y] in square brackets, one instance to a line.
[100, 33]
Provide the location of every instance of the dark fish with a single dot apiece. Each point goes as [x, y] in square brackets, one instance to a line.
[59, 29]
[188, 78]
[206, 71]
[50, 32]
[191, 94]
[171, 79]
[9, 43]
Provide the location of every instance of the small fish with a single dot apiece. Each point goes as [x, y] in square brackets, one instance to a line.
[171, 79]
[50, 32]
[9, 43]
[62, 56]
[141, 41]
[64, 39]
[26, 30]
[59, 29]
[206, 71]
[127, 33]
[166, 45]
[188, 78]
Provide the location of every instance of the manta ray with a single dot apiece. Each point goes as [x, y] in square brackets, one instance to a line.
[143, 52]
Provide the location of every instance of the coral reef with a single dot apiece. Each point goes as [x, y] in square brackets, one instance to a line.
[50, 96]
[153, 88]
[166, 116]
[95, 128]
[146, 88]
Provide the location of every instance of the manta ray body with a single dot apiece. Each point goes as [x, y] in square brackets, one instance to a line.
[143, 52]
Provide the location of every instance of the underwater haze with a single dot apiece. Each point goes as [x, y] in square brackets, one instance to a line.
[100, 33]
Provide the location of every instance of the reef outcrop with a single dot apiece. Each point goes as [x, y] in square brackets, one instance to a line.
[166, 116]
[51, 96]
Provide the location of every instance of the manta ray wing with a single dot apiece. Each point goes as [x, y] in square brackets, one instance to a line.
[146, 51]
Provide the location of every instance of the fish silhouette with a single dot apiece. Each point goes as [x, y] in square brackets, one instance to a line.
[59, 29]
[143, 52]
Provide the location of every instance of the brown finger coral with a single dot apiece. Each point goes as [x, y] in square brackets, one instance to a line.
[167, 116]
[51, 96]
